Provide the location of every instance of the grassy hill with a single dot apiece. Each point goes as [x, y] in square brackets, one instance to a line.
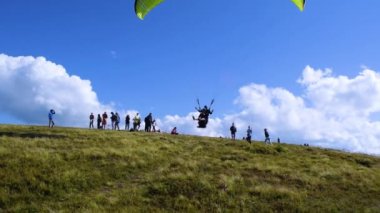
[75, 170]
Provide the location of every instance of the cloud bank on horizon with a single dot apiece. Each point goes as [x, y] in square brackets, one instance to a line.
[31, 86]
[333, 111]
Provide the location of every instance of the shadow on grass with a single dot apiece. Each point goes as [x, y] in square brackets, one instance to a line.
[31, 135]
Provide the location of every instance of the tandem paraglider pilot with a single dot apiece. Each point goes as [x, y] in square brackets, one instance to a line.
[204, 113]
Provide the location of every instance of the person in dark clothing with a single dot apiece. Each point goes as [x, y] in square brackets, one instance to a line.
[104, 120]
[92, 117]
[174, 131]
[204, 113]
[51, 122]
[117, 121]
[266, 134]
[249, 134]
[113, 120]
[233, 131]
[148, 122]
[99, 120]
[127, 122]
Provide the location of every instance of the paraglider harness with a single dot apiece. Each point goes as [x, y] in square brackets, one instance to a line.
[203, 114]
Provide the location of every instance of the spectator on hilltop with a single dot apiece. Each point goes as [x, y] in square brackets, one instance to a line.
[99, 120]
[117, 121]
[92, 117]
[127, 121]
[249, 134]
[113, 120]
[51, 121]
[233, 131]
[104, 120]
[266, 134]
[154, 125]
[148, 122]
[136, 122]
[174, 131]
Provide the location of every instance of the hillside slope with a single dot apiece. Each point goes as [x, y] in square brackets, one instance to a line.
[66, 169]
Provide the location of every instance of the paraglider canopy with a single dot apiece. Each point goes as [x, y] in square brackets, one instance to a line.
[142, 7]
[300, 4]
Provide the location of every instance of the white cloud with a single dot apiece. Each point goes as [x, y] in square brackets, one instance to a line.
[187, 125]
[336, 112]
[31, 86]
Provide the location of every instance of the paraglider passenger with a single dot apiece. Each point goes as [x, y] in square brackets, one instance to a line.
[203, 116]
[51, 122]
[233, 131]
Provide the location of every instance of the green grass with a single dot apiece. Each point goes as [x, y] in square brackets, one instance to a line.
[79, 170]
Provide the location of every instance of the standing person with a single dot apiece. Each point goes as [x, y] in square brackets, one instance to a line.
[266, 134]
[127, 120]
[233, 131]
[99, 120]
[51, 122]
[113, 119]
[117, 121]
[249, 134]
[104, 120]
[92, 117]
[154, 125]
[136, 122]
[148, 122]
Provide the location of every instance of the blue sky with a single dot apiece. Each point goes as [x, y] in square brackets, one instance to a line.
[191, 49]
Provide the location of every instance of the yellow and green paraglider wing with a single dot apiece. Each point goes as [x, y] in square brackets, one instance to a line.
[142, 7]
[300, 4]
